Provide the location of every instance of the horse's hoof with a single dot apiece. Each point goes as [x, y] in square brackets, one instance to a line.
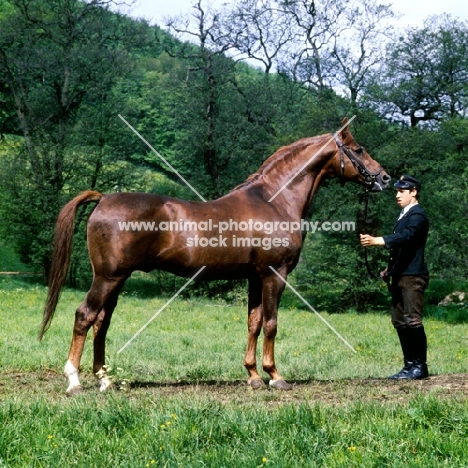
[75, 390]
[104, 384]
[280, 384]
[256, 383]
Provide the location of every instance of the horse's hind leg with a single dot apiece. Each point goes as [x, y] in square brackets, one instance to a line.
[100, 327]
[255, 319]
[85, 316]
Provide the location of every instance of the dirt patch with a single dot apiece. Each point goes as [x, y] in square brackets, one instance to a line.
[51, 384]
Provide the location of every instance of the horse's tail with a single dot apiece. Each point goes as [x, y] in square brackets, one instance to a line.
[63, 242]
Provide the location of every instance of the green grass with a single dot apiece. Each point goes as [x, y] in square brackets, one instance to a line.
[180, 399]
[120, 431]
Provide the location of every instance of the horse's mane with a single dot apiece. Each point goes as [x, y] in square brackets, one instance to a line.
[284, 155]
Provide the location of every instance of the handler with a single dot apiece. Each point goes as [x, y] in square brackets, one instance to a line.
[408, 276]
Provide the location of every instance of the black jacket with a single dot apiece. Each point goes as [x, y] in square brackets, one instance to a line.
[407, 244]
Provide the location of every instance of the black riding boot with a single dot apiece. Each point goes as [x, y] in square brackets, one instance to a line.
[414, 345]
[406, 342]
[419, 368]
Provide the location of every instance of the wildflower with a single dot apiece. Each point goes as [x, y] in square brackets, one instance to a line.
[352, 448]
[264, 460]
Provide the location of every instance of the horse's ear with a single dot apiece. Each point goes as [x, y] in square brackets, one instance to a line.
[345, 131]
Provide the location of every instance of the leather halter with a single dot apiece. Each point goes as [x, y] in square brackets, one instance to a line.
[369, 177]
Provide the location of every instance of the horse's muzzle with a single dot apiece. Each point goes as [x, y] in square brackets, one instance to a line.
[381, 182]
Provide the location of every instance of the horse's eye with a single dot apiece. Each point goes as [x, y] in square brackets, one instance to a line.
[359, 151]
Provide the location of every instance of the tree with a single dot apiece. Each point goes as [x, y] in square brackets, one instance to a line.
[260, 30]
[359, 48]
[231, 113]
[424, 75]
[208, 75]
[56, 58]
[315, 26]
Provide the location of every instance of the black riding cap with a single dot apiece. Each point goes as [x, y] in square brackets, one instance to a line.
[407, 182]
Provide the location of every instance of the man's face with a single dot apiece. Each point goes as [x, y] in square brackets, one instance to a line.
[405, 197]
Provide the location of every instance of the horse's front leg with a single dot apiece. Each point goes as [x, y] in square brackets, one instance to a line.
[272, 289]
[255, 319]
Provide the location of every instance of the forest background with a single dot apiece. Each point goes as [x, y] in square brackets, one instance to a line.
[216, 92]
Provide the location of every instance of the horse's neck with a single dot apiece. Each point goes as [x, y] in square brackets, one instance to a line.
[293, 185]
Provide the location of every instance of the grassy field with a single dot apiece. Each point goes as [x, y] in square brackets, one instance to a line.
[180, 397]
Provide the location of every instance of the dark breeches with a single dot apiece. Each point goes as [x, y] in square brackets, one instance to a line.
[408, 300]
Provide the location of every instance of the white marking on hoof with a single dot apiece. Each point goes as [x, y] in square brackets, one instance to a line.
[104, 380]
[280, 384]
[104, 384]
[74, 382]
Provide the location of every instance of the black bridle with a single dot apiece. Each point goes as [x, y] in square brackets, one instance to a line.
[370, 179]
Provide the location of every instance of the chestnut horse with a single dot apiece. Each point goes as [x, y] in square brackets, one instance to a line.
[243, 234]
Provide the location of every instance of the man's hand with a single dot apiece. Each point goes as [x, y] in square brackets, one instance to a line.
[367, 240]
[384, 276]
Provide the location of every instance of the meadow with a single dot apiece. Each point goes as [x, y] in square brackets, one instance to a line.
[180, 398]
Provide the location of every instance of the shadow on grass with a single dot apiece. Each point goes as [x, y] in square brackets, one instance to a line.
[189, 383]
[334, 391]
[137, 384]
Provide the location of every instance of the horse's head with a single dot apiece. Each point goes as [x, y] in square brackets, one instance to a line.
[355, 163]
